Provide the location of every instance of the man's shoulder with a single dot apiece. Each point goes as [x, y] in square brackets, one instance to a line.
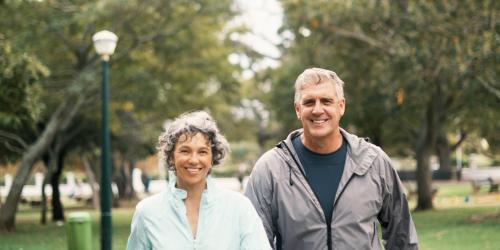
[361, 143]
[270, 157]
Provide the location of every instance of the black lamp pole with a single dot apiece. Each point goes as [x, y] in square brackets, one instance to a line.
[105, 163]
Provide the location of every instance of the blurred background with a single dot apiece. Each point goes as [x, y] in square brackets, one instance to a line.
[421, 82]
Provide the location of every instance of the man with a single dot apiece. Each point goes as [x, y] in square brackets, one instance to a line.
[324, 188]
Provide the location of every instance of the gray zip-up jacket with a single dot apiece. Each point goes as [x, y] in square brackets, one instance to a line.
[369, 191]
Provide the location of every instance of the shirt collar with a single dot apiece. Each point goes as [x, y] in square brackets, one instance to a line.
[180, 194]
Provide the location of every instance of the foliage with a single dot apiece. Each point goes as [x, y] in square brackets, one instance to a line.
[19, 86]
[20, 91]
[415, 71]
[171, 57]
[394, 57]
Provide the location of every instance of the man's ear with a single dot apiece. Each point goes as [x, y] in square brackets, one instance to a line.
[297, 110]
[342, 107]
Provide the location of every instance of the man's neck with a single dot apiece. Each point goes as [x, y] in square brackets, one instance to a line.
[324, 145]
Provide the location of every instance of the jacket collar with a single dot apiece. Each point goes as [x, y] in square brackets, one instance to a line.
[359, 151]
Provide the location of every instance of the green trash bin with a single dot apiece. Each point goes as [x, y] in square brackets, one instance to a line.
[79, 231]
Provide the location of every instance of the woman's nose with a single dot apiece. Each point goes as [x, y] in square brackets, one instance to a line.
[194, 158]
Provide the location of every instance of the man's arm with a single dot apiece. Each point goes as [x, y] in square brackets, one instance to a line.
[398, 230]
[260, 192]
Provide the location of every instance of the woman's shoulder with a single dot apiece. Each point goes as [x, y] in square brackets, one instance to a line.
[153, 202]
[233, 198]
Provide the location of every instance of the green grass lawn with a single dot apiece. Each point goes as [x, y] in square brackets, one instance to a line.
[459, 228]
[451, 189]
[30, 235]
[472, 225]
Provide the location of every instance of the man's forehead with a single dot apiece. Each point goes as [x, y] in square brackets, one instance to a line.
[312, 86]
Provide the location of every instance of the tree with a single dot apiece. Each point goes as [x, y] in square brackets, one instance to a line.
[170, 58]
[413, 69]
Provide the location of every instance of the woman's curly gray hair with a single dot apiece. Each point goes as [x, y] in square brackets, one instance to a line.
[191, 123]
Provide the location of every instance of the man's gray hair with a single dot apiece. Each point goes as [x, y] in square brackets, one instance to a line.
[191, 123]
[317, 76]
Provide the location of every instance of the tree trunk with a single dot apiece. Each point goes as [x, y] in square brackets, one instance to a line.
[129, 189]
[94, 186]
[424, 178]
[122, 176]
[43, 205]
[43, 210]
[118, 175]
[443, 151]
[60, 118]
[57, 207]
[377, 134]
[33, 153]
[426, 142]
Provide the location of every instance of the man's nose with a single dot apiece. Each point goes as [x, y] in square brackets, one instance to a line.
[317, 107]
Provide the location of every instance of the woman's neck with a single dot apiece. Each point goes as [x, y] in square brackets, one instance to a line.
[192, 203]
[193, 191]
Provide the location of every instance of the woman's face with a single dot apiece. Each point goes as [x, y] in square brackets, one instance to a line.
[192, 160]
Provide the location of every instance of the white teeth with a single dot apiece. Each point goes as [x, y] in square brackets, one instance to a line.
[318, 121]
[193, 170]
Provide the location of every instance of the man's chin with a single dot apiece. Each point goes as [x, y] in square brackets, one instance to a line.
[319, 133]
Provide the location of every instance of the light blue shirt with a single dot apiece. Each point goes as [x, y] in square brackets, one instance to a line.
[227, 220]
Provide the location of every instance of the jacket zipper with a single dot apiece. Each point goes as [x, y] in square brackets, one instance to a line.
[329, 240]
[328, 225]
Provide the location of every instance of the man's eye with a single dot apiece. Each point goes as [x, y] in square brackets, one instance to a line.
[203, 152]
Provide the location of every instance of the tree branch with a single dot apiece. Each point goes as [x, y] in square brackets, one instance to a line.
[14, 137]
[490, 87]
[13, 148]
[463, 135]
[360, 36]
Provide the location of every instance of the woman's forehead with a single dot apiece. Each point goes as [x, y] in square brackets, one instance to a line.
[188, 137]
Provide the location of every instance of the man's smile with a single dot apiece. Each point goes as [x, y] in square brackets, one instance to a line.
[319, 121]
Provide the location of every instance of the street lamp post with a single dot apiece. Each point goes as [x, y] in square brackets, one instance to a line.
[105, 43]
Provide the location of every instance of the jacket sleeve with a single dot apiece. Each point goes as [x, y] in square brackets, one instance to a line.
[253, 235]
[260, 192]
[398, 230]
[138, 239]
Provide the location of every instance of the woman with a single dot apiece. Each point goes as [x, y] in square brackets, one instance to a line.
[193, 213]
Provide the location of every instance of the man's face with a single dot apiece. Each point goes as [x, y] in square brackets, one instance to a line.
[320, 111]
